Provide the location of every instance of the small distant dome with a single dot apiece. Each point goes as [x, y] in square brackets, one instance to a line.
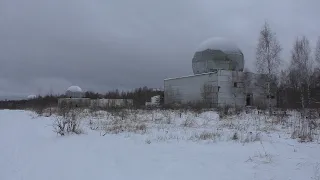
[74, 89]
[32, 96]
[74, 92]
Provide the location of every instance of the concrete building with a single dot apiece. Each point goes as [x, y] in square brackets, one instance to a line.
[105, 103]
[218, 79]
[74, 98]
[155, 101]
[74, 102]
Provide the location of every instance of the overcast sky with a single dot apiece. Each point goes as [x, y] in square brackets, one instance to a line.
[103, 44]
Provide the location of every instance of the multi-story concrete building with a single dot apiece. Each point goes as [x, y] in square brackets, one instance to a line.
[218, 79]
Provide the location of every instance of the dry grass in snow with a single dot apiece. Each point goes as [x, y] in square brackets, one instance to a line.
[137, 144]
[167, 125]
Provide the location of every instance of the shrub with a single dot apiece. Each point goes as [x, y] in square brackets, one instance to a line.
[252, 137]
[223, 111]
[69, 124]
[125, 127]
[167, 116]
[205, 135]
[189, 122]
[303, 130]
[235, 136]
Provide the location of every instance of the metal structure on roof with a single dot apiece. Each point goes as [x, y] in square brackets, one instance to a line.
[217, 53]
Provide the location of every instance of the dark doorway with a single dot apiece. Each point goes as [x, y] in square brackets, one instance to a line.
[249, 100]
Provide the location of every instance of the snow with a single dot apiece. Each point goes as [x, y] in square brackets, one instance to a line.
[74, 89]
[30, 150]
[219, 43]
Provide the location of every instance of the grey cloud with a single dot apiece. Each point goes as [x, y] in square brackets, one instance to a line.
[102, 45]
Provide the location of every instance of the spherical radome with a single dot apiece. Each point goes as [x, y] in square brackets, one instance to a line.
[32, 96]
[74, 92]
[217, 53]
[74, 89]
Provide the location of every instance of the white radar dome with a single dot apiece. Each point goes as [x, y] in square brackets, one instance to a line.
[217, 53]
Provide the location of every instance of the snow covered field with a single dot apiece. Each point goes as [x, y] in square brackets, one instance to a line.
[155, 145]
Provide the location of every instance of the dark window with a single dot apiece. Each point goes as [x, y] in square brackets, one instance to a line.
[235, 84]
[271, 97]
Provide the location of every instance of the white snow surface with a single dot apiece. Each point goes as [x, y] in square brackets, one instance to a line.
[30, 150]
[74, 89]
[219, 43]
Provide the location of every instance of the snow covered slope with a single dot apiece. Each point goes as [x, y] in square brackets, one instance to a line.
[30, 150]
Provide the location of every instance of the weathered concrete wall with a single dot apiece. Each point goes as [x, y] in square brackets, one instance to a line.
[228, 88]
[188, 89]
[104, 103]
[231, 91]
[74, 102]
[101, 103]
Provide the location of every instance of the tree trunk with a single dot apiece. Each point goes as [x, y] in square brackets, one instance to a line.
[269, 99]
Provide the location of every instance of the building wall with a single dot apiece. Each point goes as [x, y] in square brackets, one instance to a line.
[74, 102]
[231, 90]
[228, 88]
[71, 94]
[86, 102]
[102, 103]
[188, 89]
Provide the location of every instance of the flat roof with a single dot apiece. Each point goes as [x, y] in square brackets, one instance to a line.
[215, 72]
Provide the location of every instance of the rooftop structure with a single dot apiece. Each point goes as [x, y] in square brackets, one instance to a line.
[217, 53]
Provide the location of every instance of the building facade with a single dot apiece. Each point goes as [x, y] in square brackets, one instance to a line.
[218, 88]
[106, 103]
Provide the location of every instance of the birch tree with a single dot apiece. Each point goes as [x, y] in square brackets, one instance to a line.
[301, 65]
[268, 58]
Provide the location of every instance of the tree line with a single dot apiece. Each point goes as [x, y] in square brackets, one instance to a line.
[138, 95]
[298, 84]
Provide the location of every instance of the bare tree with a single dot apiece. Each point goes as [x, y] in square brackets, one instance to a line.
[283, 78]
[317, 52]
[283, 84]
[301, 65]
[268, 57]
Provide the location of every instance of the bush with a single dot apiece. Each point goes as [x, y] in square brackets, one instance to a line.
[128, 123]
[205, 135]
[125, 127]
[252, 137]
[235, 136]
[223, 111]
[189, 122]
[304, 130]
[68, 124]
